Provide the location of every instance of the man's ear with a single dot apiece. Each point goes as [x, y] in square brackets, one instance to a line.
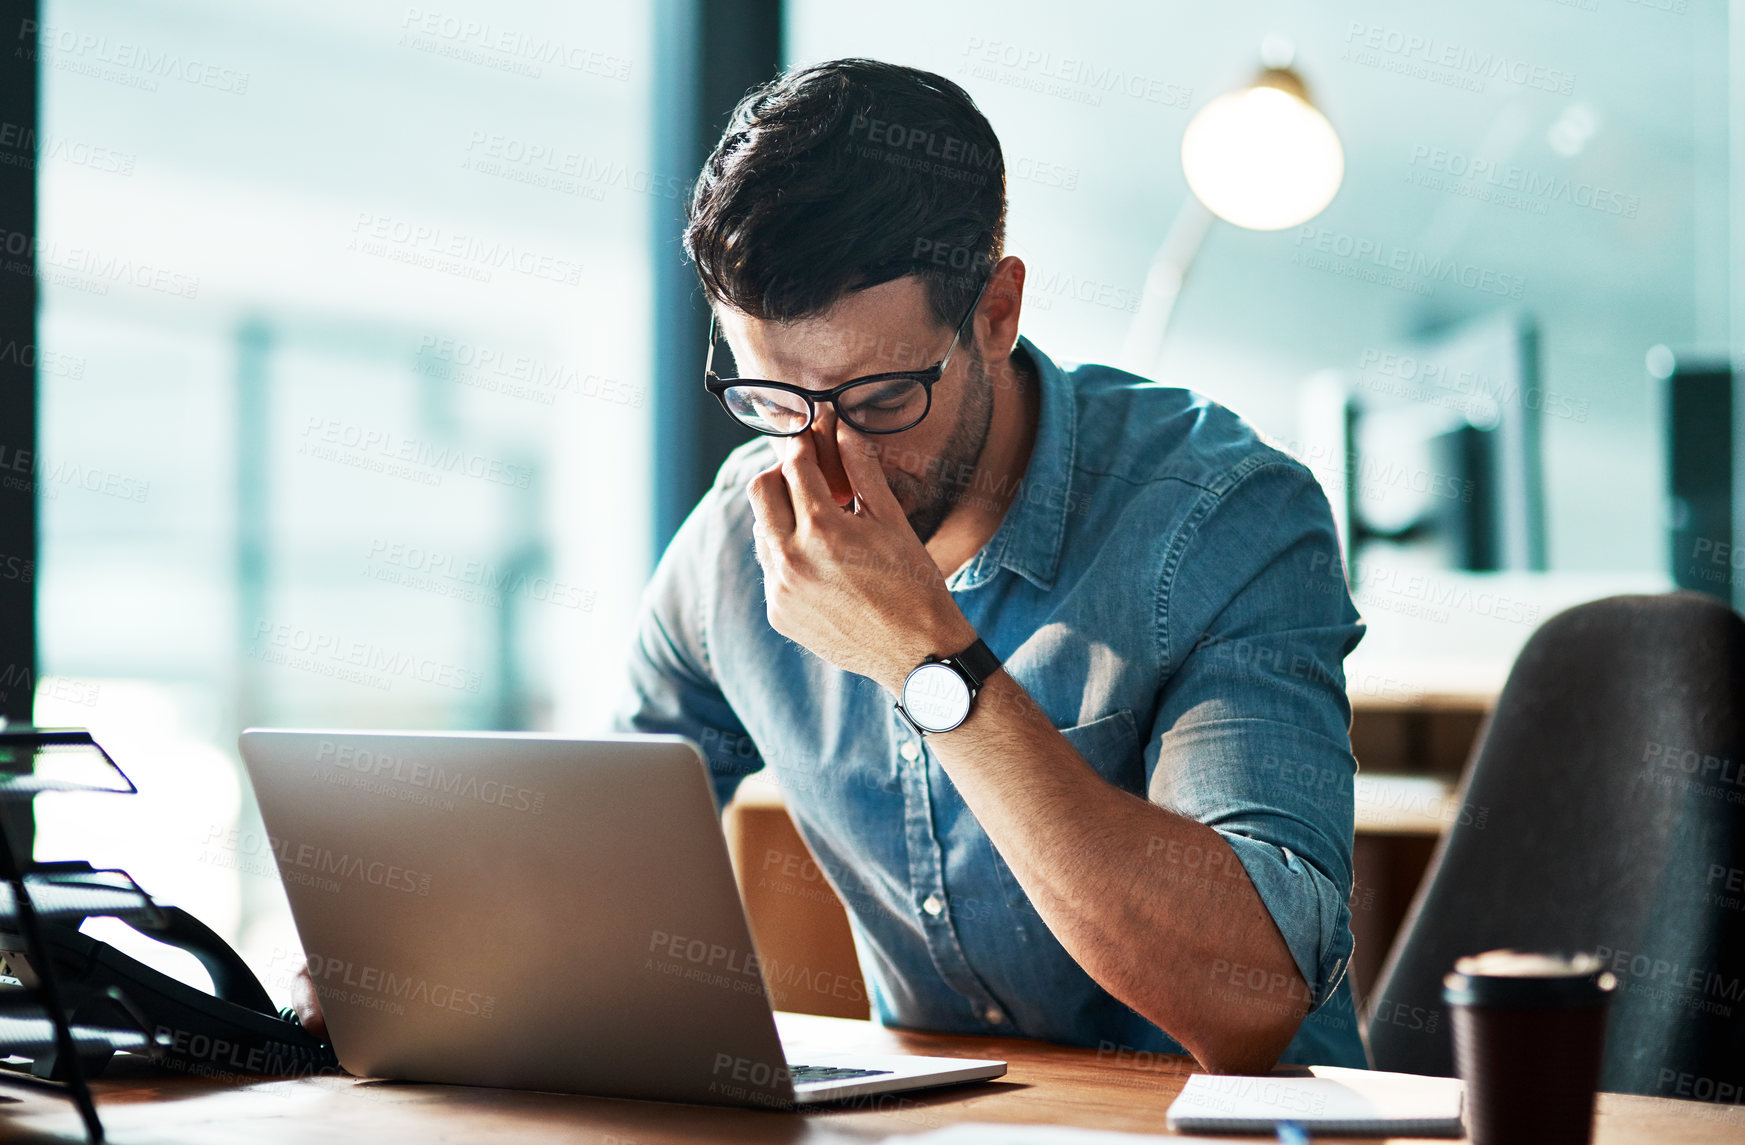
[1000, 309]
[1002, 306]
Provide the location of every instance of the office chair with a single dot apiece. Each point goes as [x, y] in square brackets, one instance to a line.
[1608, 814]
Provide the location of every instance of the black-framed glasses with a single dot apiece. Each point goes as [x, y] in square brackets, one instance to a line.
[877, 403]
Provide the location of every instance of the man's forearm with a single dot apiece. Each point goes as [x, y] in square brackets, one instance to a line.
[1154, 905]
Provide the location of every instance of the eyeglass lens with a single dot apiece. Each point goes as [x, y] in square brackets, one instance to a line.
[880, 406]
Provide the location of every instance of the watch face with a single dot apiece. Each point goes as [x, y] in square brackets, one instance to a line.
[936, 697]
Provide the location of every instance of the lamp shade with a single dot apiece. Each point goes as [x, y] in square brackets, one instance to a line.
[1263, 157]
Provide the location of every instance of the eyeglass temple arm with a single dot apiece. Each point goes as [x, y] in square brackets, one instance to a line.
[967, 319]
[709, 359]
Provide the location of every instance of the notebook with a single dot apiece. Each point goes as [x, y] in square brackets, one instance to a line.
[1322, 1099]
[984, 1133]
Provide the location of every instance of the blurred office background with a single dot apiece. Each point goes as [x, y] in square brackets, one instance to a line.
[362, 385]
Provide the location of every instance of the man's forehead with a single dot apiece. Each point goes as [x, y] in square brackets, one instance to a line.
[885, 327]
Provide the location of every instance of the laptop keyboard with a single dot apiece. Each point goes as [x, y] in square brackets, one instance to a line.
[804, 1074]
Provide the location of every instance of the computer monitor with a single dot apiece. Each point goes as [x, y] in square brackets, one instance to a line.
[1439, 438]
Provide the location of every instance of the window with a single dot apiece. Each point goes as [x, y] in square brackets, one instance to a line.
[344, 320]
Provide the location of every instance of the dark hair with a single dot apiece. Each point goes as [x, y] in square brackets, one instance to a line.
[840, 176]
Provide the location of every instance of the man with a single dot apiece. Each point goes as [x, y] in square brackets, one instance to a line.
[1124, 819]
[1115, 806]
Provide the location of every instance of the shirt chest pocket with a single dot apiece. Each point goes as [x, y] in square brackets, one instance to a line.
[1110, 744]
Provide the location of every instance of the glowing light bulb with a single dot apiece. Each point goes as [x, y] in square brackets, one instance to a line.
[1262, 158]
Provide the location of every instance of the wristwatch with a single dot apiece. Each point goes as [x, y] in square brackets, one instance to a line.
[938, 694]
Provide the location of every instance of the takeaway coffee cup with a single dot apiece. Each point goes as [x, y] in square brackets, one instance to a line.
[1529, 1031]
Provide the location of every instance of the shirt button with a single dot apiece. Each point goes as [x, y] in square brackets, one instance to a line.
[933, 905]
[994, 1015]
[910, 750]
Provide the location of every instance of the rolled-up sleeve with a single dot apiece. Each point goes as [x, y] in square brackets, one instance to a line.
[1252, 734]
[670, 683]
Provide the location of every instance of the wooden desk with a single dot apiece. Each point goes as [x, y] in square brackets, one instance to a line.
[1045, 1084]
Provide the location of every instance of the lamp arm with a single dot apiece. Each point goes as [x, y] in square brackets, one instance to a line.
[1163, 283]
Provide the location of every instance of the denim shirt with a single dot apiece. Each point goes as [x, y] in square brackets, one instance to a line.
[1168, 589]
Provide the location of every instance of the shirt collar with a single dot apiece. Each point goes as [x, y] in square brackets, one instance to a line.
[1030, 537]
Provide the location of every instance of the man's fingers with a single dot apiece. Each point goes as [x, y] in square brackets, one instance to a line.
[770, 503]
[307, 1004]
[860, 459]
[806, 484]
[765, 547]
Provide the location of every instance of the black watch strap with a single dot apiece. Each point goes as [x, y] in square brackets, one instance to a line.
[978, 662]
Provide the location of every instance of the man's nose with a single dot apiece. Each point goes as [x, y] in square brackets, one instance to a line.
[823, 428]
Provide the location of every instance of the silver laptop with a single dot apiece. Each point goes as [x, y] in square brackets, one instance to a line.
[538, 913]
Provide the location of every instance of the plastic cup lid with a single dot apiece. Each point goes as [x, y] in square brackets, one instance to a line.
[1530, 980]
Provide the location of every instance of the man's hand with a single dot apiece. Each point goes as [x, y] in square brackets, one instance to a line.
[857, 589]
[307, 1005]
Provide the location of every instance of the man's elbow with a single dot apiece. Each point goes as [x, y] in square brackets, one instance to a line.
[1248, 1032]
[1247, 1051]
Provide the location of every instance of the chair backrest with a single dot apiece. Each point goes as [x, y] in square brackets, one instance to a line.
[1604, 810]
